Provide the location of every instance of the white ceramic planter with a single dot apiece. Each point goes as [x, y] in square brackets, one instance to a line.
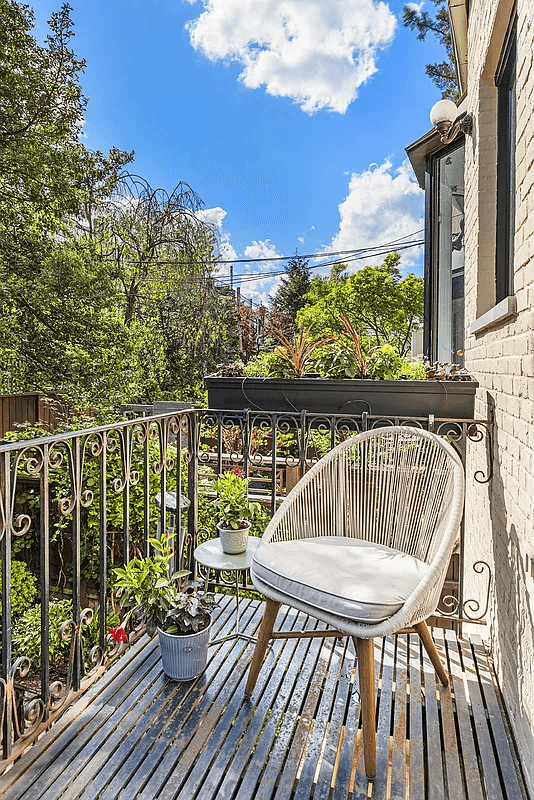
[184, 657]
[233, 541]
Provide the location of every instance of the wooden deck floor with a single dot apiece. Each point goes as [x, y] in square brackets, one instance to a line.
[136, 734]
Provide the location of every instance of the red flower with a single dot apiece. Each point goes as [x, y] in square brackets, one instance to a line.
[119, 634]
[238, 471]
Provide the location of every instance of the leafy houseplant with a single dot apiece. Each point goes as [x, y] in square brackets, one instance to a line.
[181, 614]
[235, 511]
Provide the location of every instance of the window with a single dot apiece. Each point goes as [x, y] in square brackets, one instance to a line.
[444, 268]
[505, 81]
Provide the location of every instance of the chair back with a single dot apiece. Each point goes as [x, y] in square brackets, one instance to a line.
[398, 486]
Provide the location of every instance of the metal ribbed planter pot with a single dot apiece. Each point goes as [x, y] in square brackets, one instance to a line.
[233, 541]
[184, 657]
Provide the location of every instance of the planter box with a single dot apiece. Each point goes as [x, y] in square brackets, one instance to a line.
[451, 399]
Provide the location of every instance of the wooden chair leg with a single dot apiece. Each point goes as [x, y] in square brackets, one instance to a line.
[428, 642]
[366, 671]
[266, 628]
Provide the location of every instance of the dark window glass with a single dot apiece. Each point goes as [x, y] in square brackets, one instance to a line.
[446, 279]
[505, 80]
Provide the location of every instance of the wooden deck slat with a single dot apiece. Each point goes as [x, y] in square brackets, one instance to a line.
[451, 751]
[88, 743]
[500, 736]
[255, 714]
[221, 676]
[136, 735]
[416, 745]
[291, 740]
[337, 718]
[398, 753]
[138, 768]
[77, 715]
[330, 663]
[384, 718]
[228, 731]
[435, 781]
[276, 737]
[490, 775]
[44, 772]
[469, 754]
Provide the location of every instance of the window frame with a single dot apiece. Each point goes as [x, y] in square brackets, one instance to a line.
[431, 266]
[505, 82]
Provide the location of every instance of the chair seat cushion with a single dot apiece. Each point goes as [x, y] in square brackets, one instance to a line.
[359, 580]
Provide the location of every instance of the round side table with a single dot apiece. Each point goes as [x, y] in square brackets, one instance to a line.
[210, 555]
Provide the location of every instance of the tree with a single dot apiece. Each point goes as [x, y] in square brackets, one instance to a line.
[442, 74]
[106, 294]
[289, 297]
[381, 306]
[55, 314]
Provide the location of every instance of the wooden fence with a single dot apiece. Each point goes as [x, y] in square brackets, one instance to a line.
[32, 407]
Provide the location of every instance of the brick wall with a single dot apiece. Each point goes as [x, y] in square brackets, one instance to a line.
[499, 514]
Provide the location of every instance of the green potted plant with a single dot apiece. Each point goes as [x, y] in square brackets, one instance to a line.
[235, 511]
[176, 609]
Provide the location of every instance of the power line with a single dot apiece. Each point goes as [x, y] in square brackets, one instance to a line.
[254, 276]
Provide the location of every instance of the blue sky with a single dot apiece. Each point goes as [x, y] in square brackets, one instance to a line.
[288, 117]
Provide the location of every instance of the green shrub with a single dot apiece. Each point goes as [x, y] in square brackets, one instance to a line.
[414, 370]
[23, 588]
[26, 638]
[385, 363]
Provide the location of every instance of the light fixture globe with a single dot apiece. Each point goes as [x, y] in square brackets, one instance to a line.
[443, 111]
[444, 117]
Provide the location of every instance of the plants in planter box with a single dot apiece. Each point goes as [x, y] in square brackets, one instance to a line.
[380, 383]
[180, 613]
[235, 511]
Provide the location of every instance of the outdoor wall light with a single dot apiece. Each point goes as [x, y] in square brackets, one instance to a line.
[444, 117]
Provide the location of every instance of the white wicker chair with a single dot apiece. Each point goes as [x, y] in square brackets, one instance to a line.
[363, 543]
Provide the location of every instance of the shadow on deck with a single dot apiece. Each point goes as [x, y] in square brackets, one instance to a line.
[135, 734]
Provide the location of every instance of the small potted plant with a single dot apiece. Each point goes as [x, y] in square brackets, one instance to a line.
[235, 511]
[177, 610]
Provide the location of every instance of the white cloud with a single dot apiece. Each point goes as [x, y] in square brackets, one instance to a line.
[260, 289]
[383, 205]
[211, 216]
[262, 249]
[415, 6]
[316, 52]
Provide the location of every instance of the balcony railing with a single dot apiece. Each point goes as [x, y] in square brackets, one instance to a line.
[74, 505]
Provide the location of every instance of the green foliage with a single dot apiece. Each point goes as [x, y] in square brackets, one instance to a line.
[259, 367]
[191, 611]
[442, 74]
[232, 501]
[414, 370]
[269, 365]
[385, 363]
[289, 297]
[148, 585]
[381, 306]
[26, 638]
[298, 352]
[60, 488]
[106, 291]
[23, 588]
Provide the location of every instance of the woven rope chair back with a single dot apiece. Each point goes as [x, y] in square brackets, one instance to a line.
[393, 486]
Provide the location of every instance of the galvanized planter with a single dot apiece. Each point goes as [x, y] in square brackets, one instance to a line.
[184, 657]
[233, 541]
[402, 398]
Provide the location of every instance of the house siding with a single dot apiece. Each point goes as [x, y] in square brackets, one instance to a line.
[499, 525]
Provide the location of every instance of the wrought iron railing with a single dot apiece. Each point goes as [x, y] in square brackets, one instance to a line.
[74, 505]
